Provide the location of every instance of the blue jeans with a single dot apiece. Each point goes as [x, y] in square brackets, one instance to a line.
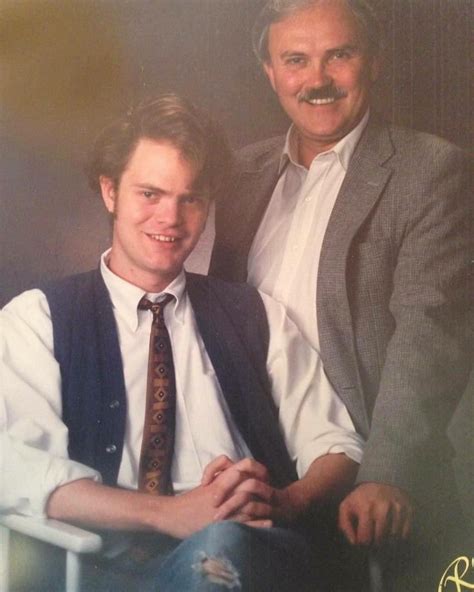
[225, 556]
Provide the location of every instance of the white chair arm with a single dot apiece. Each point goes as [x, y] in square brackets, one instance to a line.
[57, 533]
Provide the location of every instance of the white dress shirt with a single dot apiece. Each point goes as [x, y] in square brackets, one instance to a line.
[312, 418]
[284, 257]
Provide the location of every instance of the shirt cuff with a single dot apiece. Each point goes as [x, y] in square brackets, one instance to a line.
[351, 446]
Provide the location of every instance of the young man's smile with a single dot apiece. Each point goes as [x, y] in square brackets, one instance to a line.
[158, 215]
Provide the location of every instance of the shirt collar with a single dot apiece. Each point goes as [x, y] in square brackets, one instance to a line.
[343, 149]
[126, 296]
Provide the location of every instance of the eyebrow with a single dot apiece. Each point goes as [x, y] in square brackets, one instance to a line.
[346, 47]
[160, 191]
[292, 53]
[297, 53]
[150, 187]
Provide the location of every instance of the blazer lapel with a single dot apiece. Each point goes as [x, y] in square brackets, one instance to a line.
[362, 187]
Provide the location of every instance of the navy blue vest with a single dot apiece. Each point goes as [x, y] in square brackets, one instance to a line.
[233, 325]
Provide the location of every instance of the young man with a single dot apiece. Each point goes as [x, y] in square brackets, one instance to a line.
[364, 231]
[148, 400]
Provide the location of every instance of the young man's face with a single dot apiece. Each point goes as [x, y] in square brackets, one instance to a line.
[321, 48]
[158, 217]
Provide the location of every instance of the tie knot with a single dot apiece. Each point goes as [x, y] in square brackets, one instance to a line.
[155, 307]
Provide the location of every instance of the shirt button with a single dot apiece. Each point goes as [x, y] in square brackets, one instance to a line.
[111, 449]
[114, 404]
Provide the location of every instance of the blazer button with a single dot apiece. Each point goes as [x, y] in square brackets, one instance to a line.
[111, 449]
[114, 404]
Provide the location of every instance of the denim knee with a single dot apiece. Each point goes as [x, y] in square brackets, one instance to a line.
[231, 556]
[209, 560]
[222, 535]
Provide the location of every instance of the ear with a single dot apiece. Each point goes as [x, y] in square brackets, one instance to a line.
[267, 66]
[107, 188]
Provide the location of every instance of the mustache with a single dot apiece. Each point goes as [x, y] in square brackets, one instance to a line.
[323, 92]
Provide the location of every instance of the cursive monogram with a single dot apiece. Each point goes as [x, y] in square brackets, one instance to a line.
[456, 574]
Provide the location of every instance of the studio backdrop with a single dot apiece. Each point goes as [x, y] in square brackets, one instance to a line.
[66, 67]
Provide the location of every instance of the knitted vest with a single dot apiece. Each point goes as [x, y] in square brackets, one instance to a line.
[233, 325]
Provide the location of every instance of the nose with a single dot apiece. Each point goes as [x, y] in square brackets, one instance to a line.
[169, 212]
[318, 75]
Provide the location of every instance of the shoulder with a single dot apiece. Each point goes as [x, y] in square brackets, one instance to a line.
[70, 299]
[414, 149]
[432, 166]
[26, 314]
[69, 292]
[257, 155]
[34, 307]
[33, 299]
[230, 306]
[229, 291]
[70, 283]
[426, 144]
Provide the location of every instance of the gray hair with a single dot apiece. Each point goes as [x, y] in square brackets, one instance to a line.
[277, 10]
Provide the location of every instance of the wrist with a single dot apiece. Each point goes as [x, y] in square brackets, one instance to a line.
[291, 503]
[155, 514]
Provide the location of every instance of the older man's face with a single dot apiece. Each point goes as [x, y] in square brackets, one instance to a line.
[322, 72]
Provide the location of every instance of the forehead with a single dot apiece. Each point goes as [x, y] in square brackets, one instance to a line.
[328, 23]
[157, 155]
[159, 160]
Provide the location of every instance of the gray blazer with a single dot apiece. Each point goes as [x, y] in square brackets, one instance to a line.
[394, 294]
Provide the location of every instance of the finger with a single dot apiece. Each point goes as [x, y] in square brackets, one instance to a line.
[256, 510]
[225, 484]
[252, 468]
[406, 529]
[216, 466]
[384, 523]
[259, 523]
[257, 488]
[348, 524]
[365, 528]
[407, 524]
[232, 506]
[243, 505]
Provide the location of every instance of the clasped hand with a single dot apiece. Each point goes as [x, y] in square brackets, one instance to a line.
[238, 491]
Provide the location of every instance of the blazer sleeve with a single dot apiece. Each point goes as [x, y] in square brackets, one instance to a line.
[430, 352]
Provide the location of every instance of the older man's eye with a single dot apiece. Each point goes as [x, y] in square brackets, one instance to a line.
[295, 61]
[341, 54]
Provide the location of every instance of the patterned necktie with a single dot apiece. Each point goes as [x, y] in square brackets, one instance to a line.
[158, 432]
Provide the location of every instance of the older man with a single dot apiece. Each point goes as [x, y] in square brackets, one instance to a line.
[180, 408]
[364, 231]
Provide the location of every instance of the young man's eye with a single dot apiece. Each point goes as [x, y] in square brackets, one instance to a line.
[194, 199]
[197, 200]
[148, 194]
